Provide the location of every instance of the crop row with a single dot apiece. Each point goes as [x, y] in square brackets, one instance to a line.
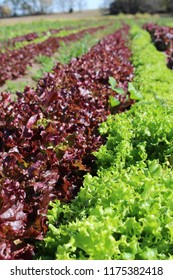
[125, 211]
[48, 136]
[31, 36]
[38, 37]
[162, 37]
[14, 62]
[17, 30]
[45, 64]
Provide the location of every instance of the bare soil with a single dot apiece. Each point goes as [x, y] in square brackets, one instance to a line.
[87, 15]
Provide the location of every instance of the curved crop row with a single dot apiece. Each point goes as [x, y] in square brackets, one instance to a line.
[126, 211]
[162, 37]
[48, 136]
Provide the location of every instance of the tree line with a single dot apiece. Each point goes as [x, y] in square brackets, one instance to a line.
[142, 6]
[32, 7]
[22, 7]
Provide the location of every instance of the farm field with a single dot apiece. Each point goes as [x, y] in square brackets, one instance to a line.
[86, 139]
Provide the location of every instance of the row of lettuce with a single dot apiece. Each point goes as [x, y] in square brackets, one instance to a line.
[14, 63]
[126, 210]
[43, 64]
[60, 29]
[12, 35]
[48, 135]
[162, 37]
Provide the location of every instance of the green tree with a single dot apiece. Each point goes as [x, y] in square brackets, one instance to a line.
[133, 6]
[125, 6]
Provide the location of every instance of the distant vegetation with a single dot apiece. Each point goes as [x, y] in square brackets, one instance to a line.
[10, 8]
[134, 6]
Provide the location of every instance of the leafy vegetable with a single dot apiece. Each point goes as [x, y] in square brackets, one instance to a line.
[162, 37]
[134, 94]
[115, 216]
[113, 84]
[126, 211]
[47, 138]
[113, 101]
[11, 66]
[13, 87]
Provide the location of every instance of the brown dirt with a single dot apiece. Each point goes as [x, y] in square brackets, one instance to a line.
[89, 14]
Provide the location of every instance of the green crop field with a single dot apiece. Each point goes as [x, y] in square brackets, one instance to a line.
[86, 139]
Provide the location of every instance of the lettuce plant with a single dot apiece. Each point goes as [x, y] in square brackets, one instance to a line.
[48, 135]
[126, 211]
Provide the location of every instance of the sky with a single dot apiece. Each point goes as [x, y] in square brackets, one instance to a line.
[93, 4]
